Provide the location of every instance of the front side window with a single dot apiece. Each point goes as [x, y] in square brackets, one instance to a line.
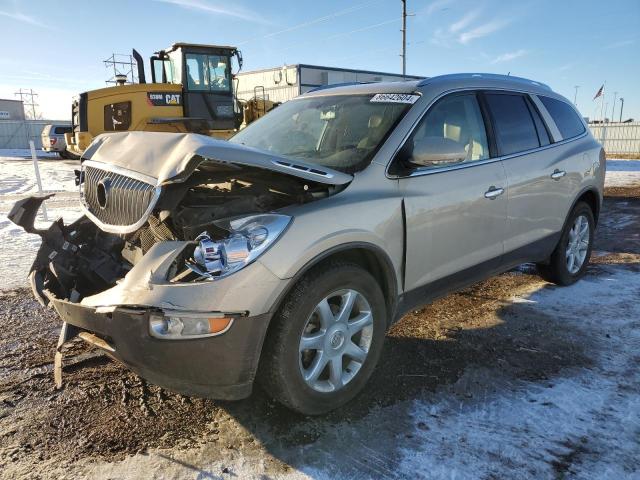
[564, 116]
[208, 73]
[451, 132]
[514, 126]
[338, 131]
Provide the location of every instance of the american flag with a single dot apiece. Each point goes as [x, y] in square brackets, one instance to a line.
[599, 92]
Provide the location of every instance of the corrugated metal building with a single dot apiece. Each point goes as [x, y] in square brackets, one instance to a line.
[11, 109]
[17, 133]
[618, 138]
[284, 83]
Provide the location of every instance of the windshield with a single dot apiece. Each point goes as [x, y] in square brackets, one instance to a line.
[341, 132]
[208, 73]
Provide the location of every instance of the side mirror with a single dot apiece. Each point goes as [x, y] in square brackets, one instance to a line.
[437, 151]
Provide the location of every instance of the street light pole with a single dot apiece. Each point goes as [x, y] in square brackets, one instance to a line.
[613, 111]
[621, 107]
[575, 96]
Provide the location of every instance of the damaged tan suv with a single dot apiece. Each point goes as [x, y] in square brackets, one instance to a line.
[284, 254]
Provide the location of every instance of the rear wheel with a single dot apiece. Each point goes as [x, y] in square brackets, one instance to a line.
[569, 260]
[325, 340]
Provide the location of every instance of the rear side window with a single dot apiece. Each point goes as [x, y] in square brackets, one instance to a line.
[566, 118]
[514, 127]
[62, 130]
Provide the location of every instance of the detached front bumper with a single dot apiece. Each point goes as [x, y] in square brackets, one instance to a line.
[221, 367]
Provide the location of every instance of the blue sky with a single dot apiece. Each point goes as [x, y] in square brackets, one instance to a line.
[57, 47]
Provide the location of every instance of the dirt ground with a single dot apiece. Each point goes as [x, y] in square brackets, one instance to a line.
[106, 420]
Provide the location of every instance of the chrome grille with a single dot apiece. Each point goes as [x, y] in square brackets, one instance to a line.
[128, 200]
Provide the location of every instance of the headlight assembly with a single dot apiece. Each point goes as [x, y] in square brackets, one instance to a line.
[248, 238]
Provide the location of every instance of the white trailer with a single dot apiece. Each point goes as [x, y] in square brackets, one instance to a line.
[280, 84]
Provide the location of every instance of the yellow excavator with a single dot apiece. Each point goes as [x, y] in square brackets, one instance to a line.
[192, 89]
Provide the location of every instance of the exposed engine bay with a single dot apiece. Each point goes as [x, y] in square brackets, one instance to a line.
[225, 211]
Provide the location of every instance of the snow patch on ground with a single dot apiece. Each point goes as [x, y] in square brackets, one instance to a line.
[17, 181]
[22, 153]
[621, 173]
[561, 427]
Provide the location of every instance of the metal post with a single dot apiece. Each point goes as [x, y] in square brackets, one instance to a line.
[38, 181]
[404, 37]
[621, 107]
[575, 96]
[615, 94]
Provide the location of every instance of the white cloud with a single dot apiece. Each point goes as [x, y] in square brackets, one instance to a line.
[21, 17]
[621, 43]
[482, 30]
[229, 10]
[464, 22]
[507, 57]
[437, 5]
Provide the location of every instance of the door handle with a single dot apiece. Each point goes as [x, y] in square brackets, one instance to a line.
[558, 174]
[493, 193]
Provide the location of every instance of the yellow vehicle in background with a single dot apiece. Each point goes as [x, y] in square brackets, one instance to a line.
[192, 89]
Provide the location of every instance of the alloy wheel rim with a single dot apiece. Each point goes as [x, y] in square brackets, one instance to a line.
[578, 244]
[335, 341]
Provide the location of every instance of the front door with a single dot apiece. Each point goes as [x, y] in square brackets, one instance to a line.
[455, 211]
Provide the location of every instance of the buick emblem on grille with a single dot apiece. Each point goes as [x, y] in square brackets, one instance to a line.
[103, 188]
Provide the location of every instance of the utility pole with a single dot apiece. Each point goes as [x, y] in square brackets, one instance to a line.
[575, 96]
[404, 37]
[27, 97]
[621, 107]
[613, 110]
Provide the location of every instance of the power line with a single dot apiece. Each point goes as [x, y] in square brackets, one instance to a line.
[314, 21]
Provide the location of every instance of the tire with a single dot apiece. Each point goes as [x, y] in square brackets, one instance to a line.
[285, 363]
[559, 269]
[63, 154]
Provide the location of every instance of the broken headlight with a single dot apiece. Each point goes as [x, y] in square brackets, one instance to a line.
[248, 238]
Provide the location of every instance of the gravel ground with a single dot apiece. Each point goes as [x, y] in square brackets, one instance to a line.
[512, 378]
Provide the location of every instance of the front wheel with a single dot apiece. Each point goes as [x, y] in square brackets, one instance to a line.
[569, 260]
[326, 339]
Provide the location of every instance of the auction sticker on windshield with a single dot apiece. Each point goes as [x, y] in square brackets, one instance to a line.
[395, 98]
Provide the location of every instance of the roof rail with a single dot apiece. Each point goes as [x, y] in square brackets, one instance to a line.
[487, 76]
[336, 85]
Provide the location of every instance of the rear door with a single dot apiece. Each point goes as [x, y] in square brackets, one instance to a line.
[455, 213]
[536, 207]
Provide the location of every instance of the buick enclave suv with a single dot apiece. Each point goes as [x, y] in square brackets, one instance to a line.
[285, 254]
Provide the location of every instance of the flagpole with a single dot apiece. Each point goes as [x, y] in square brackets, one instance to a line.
[604, 87]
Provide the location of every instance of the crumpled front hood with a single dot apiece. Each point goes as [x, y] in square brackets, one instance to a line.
[165, 156]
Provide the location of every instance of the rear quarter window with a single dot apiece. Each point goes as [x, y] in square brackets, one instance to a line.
[565, 117]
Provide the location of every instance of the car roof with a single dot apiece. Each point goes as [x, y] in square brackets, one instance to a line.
[441, 82]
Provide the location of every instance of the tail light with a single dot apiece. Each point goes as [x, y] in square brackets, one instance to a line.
[53, 141]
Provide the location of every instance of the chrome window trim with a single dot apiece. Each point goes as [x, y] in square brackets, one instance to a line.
[431, 171]
[120, 229]
[548, 119]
